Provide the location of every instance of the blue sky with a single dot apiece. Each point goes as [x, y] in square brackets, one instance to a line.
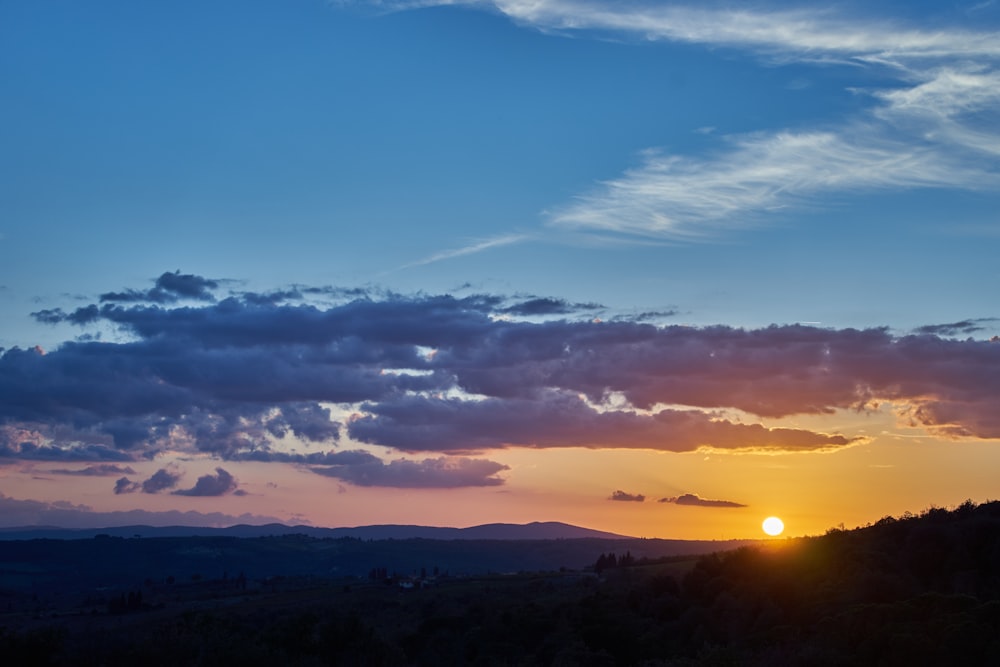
[280, 142]
[742, 163]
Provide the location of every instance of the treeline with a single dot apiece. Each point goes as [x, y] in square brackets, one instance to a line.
[608, 561]
[913, 590]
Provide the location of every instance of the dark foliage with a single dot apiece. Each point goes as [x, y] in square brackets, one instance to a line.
[917, 590]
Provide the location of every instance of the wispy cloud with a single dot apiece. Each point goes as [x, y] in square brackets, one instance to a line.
[935, 128]
[685, 198]
[470, 249]
[805, 32]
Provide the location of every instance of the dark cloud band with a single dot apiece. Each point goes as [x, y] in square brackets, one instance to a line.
[235, 376]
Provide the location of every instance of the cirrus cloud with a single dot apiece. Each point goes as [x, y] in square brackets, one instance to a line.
[934, 126]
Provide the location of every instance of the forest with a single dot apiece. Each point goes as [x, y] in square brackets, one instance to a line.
[920, 589]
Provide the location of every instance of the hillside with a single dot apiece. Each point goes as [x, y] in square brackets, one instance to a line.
[913, 590]
[538, 530]
[79, 565]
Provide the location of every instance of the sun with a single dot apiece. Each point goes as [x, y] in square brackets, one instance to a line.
[773, 526]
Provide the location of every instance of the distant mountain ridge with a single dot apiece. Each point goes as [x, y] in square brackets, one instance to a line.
[536, 530]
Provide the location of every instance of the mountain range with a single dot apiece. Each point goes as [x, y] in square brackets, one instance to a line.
[536, 530]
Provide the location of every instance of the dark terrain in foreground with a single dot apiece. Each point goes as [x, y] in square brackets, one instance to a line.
[915, 590]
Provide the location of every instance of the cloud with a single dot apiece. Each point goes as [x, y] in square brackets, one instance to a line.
[562, 419]
[648, 315]
[668, 195]
[440, 473]
[963, 327]
[98, 470]
[62, 514]
[934, 126]
[27, 441]
[804, 33]
[218, 484]
[537, 306]
[247, 379]
[693, 500]
[125, 485]
[168, 477]
[162, 479]
[328, 458]
[80, 316]
[169, 288]
[472, 248]
[627, 497]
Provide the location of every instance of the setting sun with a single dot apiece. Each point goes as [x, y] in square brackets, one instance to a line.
[773, 526]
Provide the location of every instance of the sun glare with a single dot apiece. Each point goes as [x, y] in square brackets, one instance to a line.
[773, 526]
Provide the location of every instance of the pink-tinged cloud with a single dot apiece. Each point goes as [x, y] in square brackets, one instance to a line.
[219, 484]
[161, 480]
[98, 470]
[440, 473]
[559, 419]
[63, 514]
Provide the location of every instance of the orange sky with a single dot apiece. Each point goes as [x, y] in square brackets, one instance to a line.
[899, 470]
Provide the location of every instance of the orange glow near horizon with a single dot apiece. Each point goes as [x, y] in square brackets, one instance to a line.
[892, 474]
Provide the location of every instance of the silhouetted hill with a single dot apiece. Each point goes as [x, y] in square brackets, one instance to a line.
[107, 560]
[908, 591]
[549, 530]
[914, 590]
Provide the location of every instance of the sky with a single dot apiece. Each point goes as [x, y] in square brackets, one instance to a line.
[656, 268]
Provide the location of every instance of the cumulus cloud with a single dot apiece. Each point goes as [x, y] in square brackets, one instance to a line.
[627, 497]
[562, 419]
[162, 479]
[218, 484]
[692, 499]
[328, 458]
[80, 316]
[125, 485]
[168, 288]
[246, 379]
[64, 451]
[443, 472]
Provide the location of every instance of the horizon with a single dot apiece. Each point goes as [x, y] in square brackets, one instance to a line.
[661, 270]
[87, 528]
